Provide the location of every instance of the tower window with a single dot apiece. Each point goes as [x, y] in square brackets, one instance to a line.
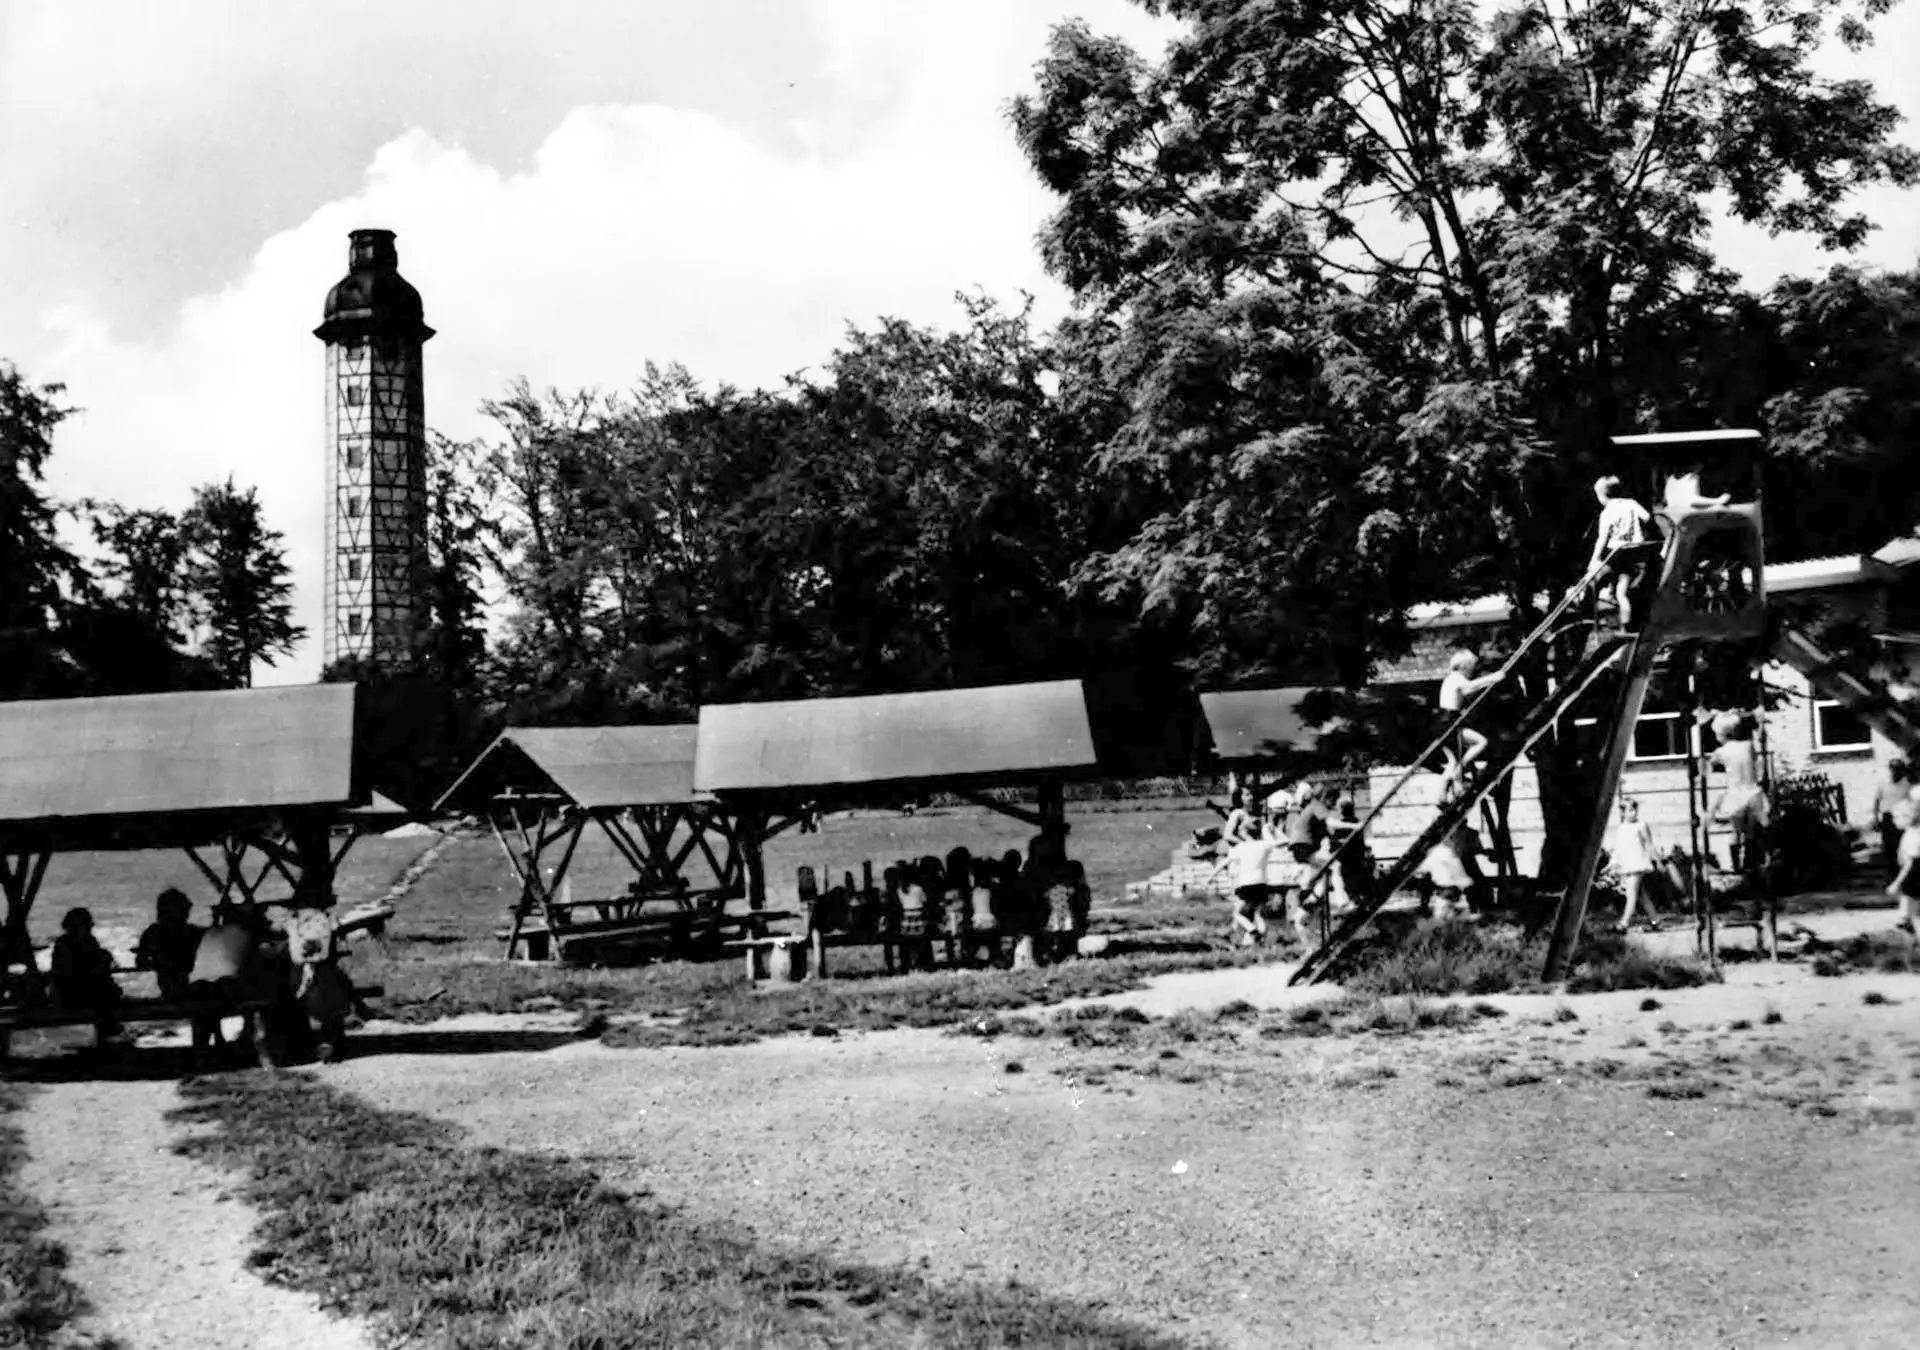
[356, 455]
[356, 395]
[356, 624]
[354, 506]
[356, 568]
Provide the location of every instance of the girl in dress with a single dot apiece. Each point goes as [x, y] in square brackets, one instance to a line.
[1633, 855]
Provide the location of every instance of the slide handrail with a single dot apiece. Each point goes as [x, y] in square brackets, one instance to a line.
[1540, 630]
[1451, 813]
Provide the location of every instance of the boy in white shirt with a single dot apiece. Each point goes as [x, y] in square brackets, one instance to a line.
[1247, 865]
[1623, 521]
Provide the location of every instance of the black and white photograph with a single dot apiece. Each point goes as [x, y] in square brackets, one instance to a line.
[962, 674]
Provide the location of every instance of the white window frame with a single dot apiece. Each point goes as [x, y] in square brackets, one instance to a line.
[1819, 735]
[1633, 754]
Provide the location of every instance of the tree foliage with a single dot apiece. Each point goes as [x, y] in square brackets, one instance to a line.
[238, 582]
[1383, 276]
[36, 571]
[1379, 278]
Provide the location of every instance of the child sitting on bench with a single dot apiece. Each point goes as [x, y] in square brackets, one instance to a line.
[168, 945]
[82, 973]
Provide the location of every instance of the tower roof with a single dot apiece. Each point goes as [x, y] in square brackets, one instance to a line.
[373, 297]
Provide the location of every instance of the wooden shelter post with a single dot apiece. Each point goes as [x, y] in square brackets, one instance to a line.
[1053, 814]
[536, 891]
[21, 872]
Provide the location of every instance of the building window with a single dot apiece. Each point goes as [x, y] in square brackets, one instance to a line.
[356, 395]
[354, 506]
[356, 455]
[1838, 727]
[356, 568]
[356, 624]
[1660, 736]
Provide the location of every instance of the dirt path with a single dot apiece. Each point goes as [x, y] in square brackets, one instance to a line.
[1345, 1191]
[155, 1243]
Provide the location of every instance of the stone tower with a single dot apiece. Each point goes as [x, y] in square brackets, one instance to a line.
[376, 529]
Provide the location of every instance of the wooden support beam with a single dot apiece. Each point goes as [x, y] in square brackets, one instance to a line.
[1037, 819]
[21, 872]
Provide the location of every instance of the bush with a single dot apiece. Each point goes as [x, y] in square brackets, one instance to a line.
[1447, 957]
[1610, 961]
[1456, 957]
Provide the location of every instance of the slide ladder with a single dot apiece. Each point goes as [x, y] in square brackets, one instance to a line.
[1549, 627]
[1501, 758]
[1869, 701]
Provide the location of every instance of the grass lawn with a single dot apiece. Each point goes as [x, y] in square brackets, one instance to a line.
[441, 957]
[119, 886]
[391, 1217]
[36, 1298]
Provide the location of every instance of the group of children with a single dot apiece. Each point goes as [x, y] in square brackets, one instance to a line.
[1310, 822]
[972, 904]
[233, 961]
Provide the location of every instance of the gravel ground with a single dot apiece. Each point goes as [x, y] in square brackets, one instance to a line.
[1297, 1194]
[153, 1240]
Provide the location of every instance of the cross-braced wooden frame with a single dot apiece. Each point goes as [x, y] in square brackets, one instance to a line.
[239, 862]
[540, 833]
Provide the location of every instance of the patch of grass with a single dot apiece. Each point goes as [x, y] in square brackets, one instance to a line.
[1685, 1089]
[1610, 961]
[1742, 1024]
[1457, 957]
[1440, 958]
[1873, 998]
[1563, 1013]
[1650, 1005]
[1667, 1028]
[1773, 1017]
[37, 1300]
[391, 1217]
[1888, 953]
[712, 1002]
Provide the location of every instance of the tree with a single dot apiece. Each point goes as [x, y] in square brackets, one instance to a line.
[36, 571]
[238, 581]
[144, 552]
[1381, 278]
[458, 491]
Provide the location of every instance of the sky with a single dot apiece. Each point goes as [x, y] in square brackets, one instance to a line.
[578, 187]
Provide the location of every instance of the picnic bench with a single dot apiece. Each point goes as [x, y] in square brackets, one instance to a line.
[544, 790]
[561, 936]
[131, 1011]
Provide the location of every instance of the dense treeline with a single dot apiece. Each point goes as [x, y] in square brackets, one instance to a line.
[1362, 290]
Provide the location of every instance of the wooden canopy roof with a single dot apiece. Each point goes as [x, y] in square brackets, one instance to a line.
[145, 769]
[1002, 734]
[592, 767]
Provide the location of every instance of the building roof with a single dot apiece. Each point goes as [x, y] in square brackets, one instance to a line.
[70, 769]
[1005, 733]
[1850, 569]
[1259, 725]
[593, 767]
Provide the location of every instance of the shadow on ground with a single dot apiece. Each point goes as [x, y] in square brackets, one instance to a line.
[69, 1063]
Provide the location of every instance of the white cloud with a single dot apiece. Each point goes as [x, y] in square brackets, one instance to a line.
[637, 232]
